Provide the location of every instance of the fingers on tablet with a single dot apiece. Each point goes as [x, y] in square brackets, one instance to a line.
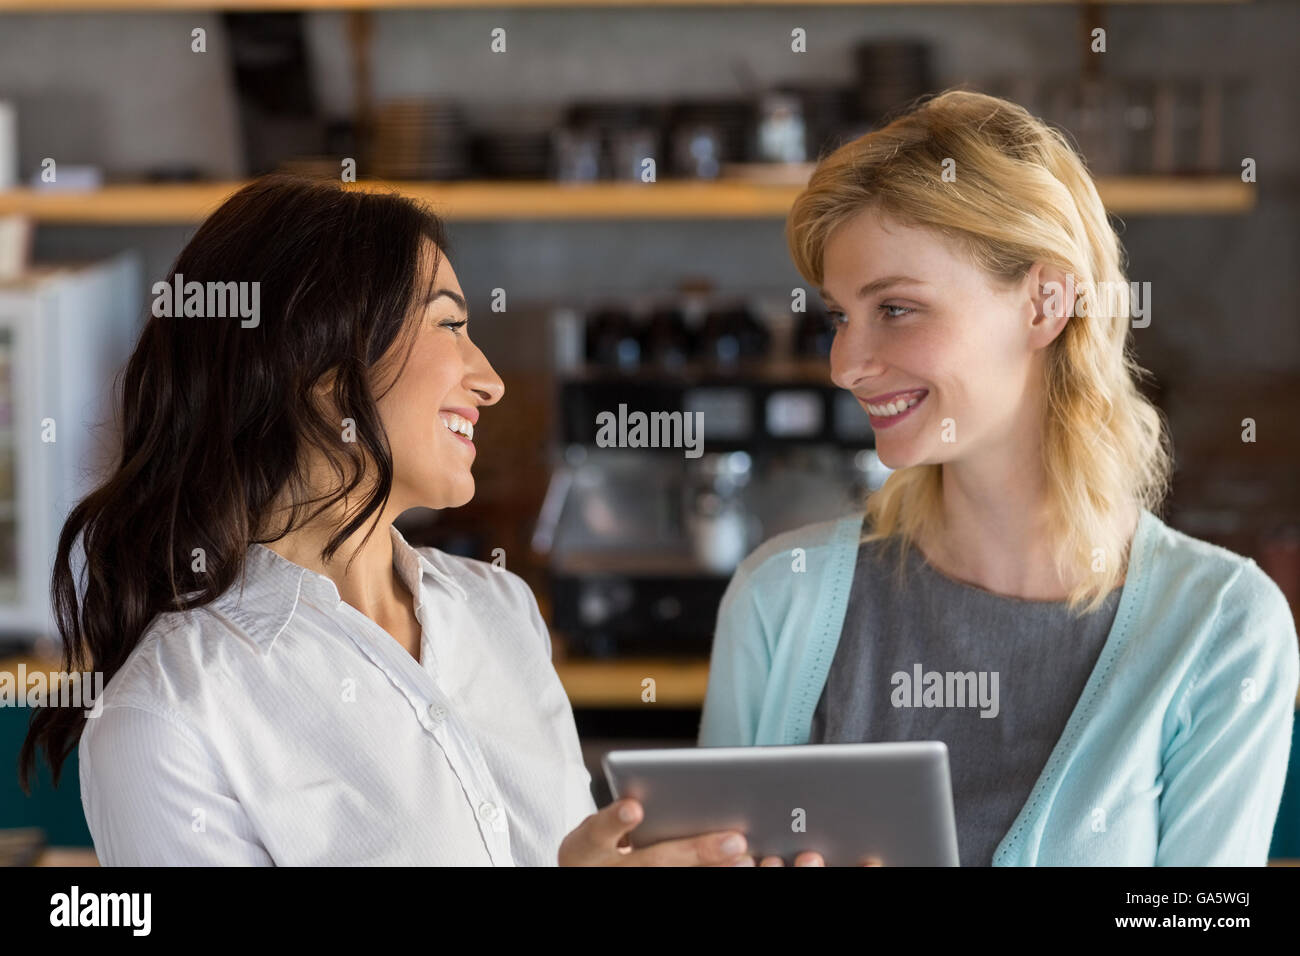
[728, 847]
[714, 849]
[629, 813]
[612, 825]
[810, 858]
[711, 849]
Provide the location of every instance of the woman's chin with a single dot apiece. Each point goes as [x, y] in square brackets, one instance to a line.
[461, 494]
[445, 495]
[895, 458]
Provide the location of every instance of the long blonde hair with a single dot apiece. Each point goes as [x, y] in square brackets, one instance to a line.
[1020, 195]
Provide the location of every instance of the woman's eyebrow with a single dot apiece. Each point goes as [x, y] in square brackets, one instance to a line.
[877, 285]
[454, 296]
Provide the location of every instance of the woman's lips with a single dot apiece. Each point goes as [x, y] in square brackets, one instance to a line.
[460, 423]
[461, 438]
[879, 422]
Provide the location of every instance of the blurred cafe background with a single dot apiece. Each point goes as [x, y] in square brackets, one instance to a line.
[672, 294]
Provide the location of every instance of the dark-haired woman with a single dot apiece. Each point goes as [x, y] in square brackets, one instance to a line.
[289, 681]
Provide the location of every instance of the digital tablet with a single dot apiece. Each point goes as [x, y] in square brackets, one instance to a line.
[848, 802]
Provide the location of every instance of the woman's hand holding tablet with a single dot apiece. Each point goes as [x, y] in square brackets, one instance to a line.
[601, 840]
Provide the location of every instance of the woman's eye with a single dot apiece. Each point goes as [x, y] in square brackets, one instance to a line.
[837, 320]
[455, 324]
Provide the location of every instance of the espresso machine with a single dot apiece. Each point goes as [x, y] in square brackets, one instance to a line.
[641, 529]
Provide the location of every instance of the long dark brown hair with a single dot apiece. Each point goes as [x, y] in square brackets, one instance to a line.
[218, 416]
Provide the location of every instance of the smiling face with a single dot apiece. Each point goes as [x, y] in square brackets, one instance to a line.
[431, 411]
[932, 346]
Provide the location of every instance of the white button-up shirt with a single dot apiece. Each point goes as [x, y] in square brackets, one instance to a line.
[280, 725]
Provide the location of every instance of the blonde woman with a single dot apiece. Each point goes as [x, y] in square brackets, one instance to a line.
[1111, 691]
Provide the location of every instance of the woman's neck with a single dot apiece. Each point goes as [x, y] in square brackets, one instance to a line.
[362, 569]
[995, 530]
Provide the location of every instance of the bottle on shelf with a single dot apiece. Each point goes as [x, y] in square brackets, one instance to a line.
[606, 329]
[669, 344]
[814, 334]
[733, 334]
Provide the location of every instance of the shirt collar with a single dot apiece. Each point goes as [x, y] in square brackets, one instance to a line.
[264, 601]
[412, 567]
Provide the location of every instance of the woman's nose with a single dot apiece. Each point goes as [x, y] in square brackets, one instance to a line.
[853, 355]
[482, 379]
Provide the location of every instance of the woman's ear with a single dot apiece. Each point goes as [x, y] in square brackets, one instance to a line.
[1054, 297]
[325, 384]
[322, 394]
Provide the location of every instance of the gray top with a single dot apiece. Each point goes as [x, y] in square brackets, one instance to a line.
[995, 678]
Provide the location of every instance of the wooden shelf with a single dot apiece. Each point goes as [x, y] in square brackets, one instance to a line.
[114, 6]
[185, 203]
[617, 683]
[68, 856]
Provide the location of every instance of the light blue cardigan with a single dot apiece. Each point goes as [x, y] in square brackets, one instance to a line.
[1175, 753]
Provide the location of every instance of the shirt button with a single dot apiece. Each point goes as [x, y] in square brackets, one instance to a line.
[491, 814]
[437, 713]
